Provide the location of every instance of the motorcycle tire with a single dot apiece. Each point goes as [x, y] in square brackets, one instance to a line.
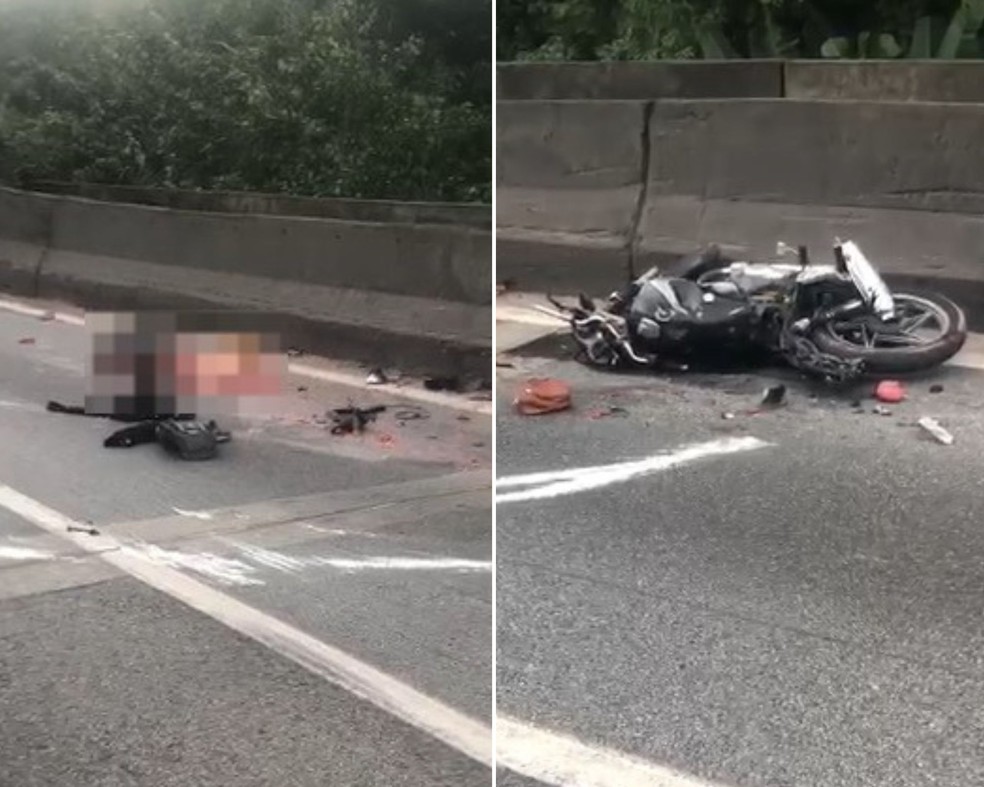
[901, 360]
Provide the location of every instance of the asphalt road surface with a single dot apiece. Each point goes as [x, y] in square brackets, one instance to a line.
[784, 598]
[167, 649]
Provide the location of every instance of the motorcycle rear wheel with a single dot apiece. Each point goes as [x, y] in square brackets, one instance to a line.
[915, 346]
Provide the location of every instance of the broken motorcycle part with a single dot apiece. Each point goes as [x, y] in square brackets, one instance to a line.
[89, 531]
[773, 396]
[933, 427]
[349, 420]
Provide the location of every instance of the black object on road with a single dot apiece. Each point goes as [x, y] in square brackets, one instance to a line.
[442, 384]
[354, 419]
[180, 434]
[774, 396]
[190, 440]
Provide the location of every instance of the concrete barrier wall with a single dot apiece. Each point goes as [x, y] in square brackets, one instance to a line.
[892, 155]
[861, 80]
[886, 80]
[413, 296]
[640, 80]
[429, 261]
[569, 144]
[384, 211]
[904, 179]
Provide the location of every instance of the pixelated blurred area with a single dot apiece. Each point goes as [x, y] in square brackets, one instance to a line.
[159, 364]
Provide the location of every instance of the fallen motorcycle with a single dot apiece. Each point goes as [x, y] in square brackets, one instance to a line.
[838, 322]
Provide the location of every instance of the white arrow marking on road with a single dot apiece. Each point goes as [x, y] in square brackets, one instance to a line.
[563, 761]
[564, 482]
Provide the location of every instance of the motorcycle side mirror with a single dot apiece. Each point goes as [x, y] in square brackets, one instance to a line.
[804, 256]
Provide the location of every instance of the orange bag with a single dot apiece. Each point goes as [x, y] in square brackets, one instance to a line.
[540, 396]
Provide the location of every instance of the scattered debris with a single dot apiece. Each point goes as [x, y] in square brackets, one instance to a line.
[464, 417]
[890, 391]
[377, 377]
[476, 384]
[774, 396]
[505, 365]
[506, 285]
[301, 388]
[728, 416]
[940, 434]
[411, 413]
[856, 404]
[294, 352]
[478, 444]
[47, 316]
[881, 410]
[543, 395]
[442, 384]
[935, 389]
[26, 340]
[83, 529]
[606, 412]
[349, 420]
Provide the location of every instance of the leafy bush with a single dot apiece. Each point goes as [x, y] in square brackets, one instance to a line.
[651, 29]
[315, 97]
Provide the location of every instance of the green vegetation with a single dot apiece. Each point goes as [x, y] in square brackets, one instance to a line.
[376, 99]
[652, 29]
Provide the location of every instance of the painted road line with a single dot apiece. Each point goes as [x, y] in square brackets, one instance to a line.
[562, 761]
[309, 371]
[565, 482]
[18, 307]
[452, 727]
[24, 553]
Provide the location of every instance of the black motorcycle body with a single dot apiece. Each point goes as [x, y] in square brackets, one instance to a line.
[837, 321]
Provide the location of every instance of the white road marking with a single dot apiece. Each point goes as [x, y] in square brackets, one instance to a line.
[17, 307]
[350, 380]
[8, 404]
[24, 553]
[227, 571]
[290, 563]
[452, 727]
[563, 761]
[408, 564]
[193, 514]
[564, 482]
